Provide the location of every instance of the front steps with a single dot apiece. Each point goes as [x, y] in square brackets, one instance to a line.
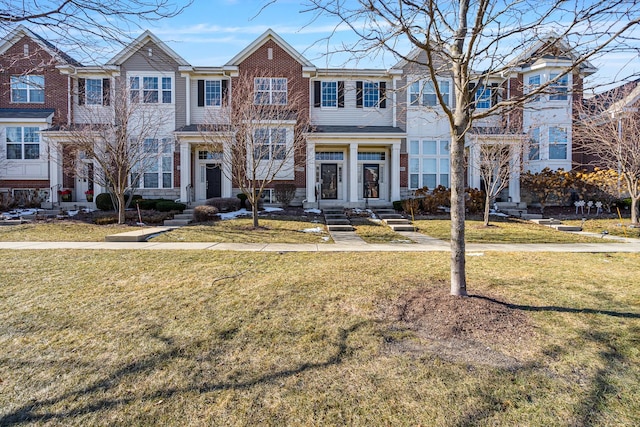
[179, 220]
[394, 220]
[557, 224]
[336, 220]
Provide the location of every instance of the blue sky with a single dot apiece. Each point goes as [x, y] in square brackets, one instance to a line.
[211, 32]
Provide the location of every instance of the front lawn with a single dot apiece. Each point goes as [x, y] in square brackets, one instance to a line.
[230, 338]
[612, 226]
[60, 231]
[502, 231]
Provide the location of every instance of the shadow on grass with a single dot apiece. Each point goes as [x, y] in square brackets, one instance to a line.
[35, 411]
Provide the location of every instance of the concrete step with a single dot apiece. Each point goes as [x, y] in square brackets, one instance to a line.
[385, 211]
[337, 221]
[334, 216]
[402, 227]
[531, 216]
[546, 221]
[176, 222]
[567, 227]
[515, 212]
[339, 227]
[333, 211]
[390, 216]
[391, 221]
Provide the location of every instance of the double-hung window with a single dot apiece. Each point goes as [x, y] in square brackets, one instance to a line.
[27, 89]
[158, 163]
[483, 97]
[557, 143]
[370, 95]
[151, 89]
[212, 93]
[533, 84]
[560, 88]
[270, 90]
[428, 164]
[329, 94]
[23, 143]
[270, 144]
[424, 93]
[534, 144]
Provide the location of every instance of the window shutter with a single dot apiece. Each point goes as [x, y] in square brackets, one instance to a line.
[383, 94]
[340, 94]
[317, 94]
[81, 91]
[495, 93]
[106, 92]
[200, 93]
[359, 94]
[225, 92]
[472, 95]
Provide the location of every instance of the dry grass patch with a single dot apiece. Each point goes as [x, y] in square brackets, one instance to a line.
[60, 231]
[281, 230]
[501, 231]
[230, 338]
[613, 226]
[376, 231]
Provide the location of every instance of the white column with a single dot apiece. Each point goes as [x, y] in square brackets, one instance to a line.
[55, 167]
[395, 171]
[514, 178]
[227, 184]
[353, 172]
[311, 172]
[185, 171]
[474, 165]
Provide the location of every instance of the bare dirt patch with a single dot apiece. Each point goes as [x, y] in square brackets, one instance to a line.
[477, 330]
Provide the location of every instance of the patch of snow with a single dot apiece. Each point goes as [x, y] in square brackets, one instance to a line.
[17, 213]
[244, 212]
[313, 211]
[313, 230]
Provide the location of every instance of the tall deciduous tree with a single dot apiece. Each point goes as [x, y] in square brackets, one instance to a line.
[123, 140]
[609, 133]
[262, 137]
[462, 37]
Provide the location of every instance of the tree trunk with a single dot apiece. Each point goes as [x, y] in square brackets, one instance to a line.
[487, 208]
[254, 211]
[121, 206]
[634, 210]
[458, 274]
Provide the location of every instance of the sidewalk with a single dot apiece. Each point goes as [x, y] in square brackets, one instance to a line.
[428, 245]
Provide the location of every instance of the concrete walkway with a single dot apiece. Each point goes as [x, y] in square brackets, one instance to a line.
[424, 244]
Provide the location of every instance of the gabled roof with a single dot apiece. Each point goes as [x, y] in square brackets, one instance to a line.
[138, 43]
[257, 43]
[617, 100]
[568, 53]
[21, 31]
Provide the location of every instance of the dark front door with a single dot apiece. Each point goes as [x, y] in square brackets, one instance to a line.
[370, 181]
[214, 181]
[329, 176]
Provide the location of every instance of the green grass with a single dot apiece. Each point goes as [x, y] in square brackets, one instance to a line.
[60, 231]
[502, 231]
[229, 338]
[615, 227]
[281, 230]
[376, 232]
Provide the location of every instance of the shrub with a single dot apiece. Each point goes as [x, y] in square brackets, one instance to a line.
[411, 206]
[285, 193]
[397, 205]
[205, 213]
[224, 204]
[148, 204]
[243, 200]
[169, 205]
[104, 203]
[474, 200]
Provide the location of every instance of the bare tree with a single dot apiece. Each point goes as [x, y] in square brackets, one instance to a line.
[495, 162]
[461, 37]
[84, 24]
[262, 136]
[609, 133]
[124, 141]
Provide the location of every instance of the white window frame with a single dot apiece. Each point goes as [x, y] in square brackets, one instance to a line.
[533, 83]
[420, 91]
[270, 90]
[534, 145]
[159, 163]
[483, 97]
[95, 99]
[270, 146]
[420, 157]
[329, 94]
[211, 99]
[560, 89]
[24, 149]
[157, 94]
[31, 87]
[558, 138]
[370, 95]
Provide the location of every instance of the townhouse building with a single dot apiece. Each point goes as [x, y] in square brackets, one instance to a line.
[375, 135]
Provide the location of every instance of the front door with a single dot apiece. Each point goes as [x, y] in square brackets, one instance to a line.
[329, 177]
[214, 181]
[371, 178]
[84, 182]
